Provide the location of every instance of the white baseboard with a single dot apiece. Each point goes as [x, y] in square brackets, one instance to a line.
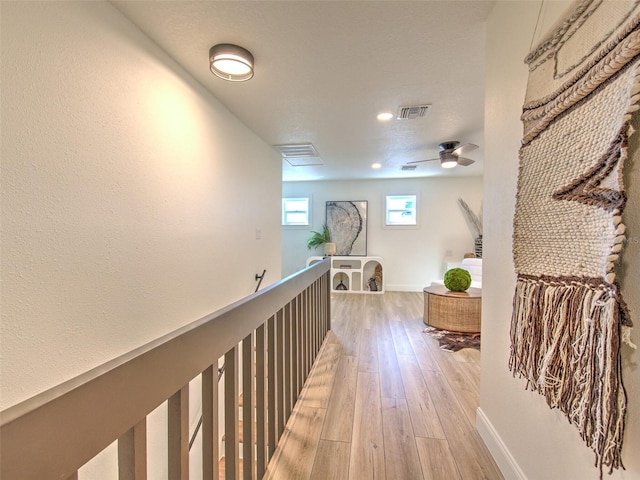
[505, 461]
[404, 288]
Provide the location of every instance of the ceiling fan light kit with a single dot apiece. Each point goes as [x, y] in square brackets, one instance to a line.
[448, 161]
[449, 154]
[231, 62]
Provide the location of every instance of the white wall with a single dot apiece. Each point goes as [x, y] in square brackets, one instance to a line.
[130, 196]
[413, 257]
[529, 440]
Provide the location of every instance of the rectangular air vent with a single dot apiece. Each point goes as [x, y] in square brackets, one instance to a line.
[297, 150]
[304, 161]
[410, 112]
[409, 167]
[300, 154]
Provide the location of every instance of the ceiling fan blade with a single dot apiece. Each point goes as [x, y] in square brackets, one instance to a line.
[420, 161]
[463, 149]
[465, 162]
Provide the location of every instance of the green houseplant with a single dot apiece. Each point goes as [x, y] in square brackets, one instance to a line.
[322, 238]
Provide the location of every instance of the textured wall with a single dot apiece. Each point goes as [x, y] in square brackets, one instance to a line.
[130, 196]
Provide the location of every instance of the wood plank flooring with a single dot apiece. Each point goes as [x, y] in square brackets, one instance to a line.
[384, 402]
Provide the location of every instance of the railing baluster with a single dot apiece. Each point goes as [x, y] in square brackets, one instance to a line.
[178, 434]
[294, 350]
[247, 407]
[316, 318]
[231, 414]
[271, 387]
[81, 410]
[326, 302]
[260, 404]
[210, 449]
[300, 343]
[279, 374]
[287, 362]
[308, 340]
[305, 335]
[132, 453]
[320, 307]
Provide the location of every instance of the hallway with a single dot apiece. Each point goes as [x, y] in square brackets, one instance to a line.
[384, 402]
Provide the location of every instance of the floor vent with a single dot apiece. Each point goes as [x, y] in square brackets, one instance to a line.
[411, 112]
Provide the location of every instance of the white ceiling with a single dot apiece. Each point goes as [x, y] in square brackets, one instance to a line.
[324, 69]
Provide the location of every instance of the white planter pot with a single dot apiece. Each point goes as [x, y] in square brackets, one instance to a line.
[330, 248]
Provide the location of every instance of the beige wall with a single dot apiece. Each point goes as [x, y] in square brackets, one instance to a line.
[130, 196]
[413, 257]
[529, 440]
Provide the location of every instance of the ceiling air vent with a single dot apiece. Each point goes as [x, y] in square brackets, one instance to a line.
[300, 155]
[411, 112]
[297, 150]
[409, 168]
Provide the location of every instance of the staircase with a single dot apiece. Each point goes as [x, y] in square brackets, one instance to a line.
[284, 324]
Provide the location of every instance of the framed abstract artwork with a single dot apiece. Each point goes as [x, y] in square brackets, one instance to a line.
[347, 222]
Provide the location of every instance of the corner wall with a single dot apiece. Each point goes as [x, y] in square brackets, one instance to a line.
[528, 440]
[413, 257]
[130, 196]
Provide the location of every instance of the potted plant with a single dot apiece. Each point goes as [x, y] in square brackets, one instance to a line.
[324, 238]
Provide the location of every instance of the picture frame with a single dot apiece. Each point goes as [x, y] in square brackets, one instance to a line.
[347, 222]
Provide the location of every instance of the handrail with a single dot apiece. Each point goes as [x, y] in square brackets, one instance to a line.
[194, 435]
[56, 432]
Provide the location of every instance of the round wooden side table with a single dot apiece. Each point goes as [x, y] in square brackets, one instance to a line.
[455, 311]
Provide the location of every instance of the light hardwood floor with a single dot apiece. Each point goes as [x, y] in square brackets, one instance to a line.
[384, 402]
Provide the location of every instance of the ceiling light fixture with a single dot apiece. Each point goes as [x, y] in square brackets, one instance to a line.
[376, 165]
[231, 62]
[384, 116]
[448, 160]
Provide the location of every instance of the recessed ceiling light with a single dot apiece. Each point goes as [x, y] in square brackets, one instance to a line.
[384, 116]
[376, 165]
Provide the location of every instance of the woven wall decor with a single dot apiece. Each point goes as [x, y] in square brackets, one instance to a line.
[569, 319]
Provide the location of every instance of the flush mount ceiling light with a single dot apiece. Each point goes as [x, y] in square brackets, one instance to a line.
[385, 116]
[231, 62]
[376, 165]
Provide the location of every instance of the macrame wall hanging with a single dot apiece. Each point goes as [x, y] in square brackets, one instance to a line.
[569, 319]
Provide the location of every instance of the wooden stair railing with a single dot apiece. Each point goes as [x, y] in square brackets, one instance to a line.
[55, 433]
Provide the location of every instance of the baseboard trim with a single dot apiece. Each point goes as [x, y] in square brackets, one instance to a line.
[503, 458]
[404, 288]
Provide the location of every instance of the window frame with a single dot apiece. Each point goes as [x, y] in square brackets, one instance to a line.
[284, 212]
[385, 211]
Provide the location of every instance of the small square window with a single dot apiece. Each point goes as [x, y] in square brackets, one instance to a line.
[295, 211]
[401, 210]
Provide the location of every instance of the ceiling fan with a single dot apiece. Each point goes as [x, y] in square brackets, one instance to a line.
[450, 154]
